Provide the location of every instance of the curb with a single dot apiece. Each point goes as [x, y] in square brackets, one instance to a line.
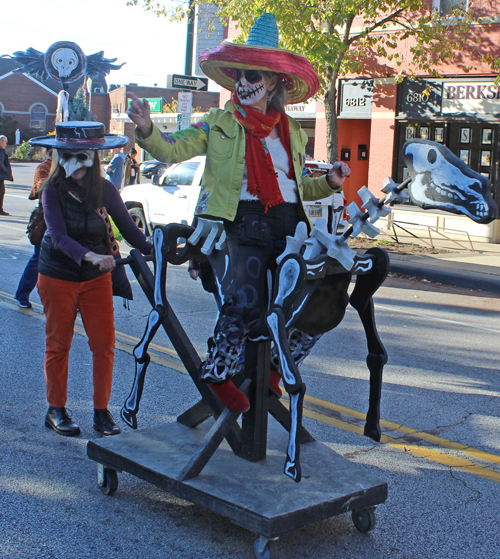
[468, 279]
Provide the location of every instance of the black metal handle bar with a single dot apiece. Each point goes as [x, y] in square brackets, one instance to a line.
[129, 259]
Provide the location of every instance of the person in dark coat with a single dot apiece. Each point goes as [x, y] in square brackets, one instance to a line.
[5, 172]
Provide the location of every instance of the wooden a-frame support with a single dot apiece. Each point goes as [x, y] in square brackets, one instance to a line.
[248, 441]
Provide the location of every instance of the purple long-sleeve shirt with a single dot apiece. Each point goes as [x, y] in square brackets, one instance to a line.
[114, 206]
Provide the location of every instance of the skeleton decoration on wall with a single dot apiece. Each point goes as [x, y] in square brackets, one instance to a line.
[65, 62]
[310, 291]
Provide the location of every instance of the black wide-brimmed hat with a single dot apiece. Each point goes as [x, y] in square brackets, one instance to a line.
[80, 134]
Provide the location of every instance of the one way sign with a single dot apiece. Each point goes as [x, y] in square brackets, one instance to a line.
[193, 83]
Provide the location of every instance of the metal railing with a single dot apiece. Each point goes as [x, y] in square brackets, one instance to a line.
[430, 229]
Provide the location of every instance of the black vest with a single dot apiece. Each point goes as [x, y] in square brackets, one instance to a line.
[87, 229]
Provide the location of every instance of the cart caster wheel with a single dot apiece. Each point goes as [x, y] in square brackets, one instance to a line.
[269, 551]
[364, 519]
[107, 479]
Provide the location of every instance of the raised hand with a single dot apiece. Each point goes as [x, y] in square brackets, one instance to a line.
[337, 174]
[139, 114]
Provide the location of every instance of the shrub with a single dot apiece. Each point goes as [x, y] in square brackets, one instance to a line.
[23, 151]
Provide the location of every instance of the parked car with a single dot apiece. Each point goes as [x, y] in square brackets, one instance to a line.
[171, 198]
[149, 169]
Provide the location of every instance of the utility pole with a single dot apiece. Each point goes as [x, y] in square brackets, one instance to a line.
[190, 38]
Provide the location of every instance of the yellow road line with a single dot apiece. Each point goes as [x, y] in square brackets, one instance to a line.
[432, 454]
[422, 435]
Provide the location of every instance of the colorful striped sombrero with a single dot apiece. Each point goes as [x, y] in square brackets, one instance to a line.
[261, 52]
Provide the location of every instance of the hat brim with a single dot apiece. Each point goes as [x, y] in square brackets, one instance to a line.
[299, 76]
[109, 141]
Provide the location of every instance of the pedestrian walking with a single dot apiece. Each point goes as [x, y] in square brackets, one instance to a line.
[30, 275]
[131, 168]
[116, 168]
[5, 172]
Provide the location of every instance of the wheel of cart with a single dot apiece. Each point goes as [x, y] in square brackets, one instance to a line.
[107, 479]
[265, 548]
[364, 519]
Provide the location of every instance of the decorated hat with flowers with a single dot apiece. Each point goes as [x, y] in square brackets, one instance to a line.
[261, 52]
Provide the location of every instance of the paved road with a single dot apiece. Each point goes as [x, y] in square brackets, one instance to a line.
[439, 455]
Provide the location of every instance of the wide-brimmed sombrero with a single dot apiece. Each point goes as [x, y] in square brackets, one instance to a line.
[261, 52]
[80, 134]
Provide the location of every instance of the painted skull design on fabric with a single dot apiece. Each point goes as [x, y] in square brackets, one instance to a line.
[250, 86]
[64, 61]
[72, 160]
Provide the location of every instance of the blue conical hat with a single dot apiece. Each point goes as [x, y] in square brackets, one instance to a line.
[264, 32]
[261, 52]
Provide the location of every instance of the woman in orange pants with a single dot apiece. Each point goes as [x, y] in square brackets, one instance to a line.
[76, 258]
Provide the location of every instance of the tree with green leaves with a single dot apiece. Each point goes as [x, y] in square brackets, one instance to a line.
[78, 107]
[349, 37]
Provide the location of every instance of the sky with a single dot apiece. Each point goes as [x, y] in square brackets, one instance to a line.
[152, 47]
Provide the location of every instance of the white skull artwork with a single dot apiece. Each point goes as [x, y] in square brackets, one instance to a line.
[64, 61]
[250, 86]
[72, 160]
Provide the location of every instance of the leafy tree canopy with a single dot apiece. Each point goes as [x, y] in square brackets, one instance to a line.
[342, 37]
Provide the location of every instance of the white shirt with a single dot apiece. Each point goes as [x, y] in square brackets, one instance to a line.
[281, 164]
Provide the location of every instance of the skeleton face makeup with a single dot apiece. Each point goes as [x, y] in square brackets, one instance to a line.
[251, 87]
[64, 61]
[72, 160]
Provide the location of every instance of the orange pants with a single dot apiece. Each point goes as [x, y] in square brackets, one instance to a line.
[94, 300]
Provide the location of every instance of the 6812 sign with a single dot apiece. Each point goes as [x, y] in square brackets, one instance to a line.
[355, 102]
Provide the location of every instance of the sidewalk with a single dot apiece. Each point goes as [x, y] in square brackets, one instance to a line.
[461, 267]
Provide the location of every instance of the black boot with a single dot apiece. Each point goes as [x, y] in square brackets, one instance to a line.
[59, 420]
[104, 423]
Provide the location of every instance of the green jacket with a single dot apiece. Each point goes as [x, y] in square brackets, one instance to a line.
[221, 137]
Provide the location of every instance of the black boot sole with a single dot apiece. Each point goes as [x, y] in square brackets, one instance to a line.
[73, 433]
[106, 433]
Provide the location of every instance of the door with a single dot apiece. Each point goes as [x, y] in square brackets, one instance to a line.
[477, 146]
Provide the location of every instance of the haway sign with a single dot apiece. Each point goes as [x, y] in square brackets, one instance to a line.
[193, 83]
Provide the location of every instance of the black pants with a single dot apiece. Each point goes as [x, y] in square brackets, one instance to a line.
[2, 193]
[255, 239]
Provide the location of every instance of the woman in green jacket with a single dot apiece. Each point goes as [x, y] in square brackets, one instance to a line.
[254, 181]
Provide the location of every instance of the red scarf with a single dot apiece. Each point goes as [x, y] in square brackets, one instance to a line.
[262, 177]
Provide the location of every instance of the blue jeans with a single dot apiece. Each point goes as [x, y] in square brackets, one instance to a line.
[29, 278]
